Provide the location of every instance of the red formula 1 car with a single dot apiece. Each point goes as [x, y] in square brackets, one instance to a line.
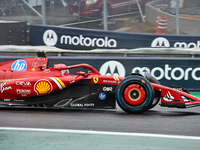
[30, 83]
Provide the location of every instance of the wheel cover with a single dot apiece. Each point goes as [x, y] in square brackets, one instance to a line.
[134, 94]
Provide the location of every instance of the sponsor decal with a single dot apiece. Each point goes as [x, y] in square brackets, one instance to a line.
[59, 83]
[19, 100]
[71, 82]
[102, 96]
[23, 92]
[116, 78]
[110, 81]
[6, 100]
[35, 65]
[163, 42]
[143, 81]
[19, 65]
[160, 42]
[82, 105]
[76, 105]
[107, 89]
[41, 58]
[95, 80]
[23, 83]
[50, 38]
[187, 45]
[114, 68]
[43, 86]
[87, 41]
[47, 70]
[3, 88]
[168, 97]
[169, 73]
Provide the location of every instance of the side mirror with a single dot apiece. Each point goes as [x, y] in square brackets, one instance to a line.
[60, 66]
[81, 73]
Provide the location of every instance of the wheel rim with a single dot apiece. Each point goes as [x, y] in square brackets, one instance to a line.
[134, 94]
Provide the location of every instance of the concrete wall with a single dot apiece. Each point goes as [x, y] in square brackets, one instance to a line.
[187, 26]
[191, 3]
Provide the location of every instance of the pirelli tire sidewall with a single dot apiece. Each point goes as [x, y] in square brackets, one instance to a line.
[134, 80]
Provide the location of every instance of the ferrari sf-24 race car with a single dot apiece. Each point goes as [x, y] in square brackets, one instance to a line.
[30, 83]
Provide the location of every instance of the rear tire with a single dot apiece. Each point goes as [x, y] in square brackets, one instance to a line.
[134, 94]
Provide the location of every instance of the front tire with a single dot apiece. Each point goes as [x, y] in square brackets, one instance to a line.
[157, 95]
[134, 94]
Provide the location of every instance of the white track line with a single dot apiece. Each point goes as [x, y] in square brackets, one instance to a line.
[103, 133]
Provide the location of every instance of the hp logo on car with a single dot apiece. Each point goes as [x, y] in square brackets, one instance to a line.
[50, 38]
[114, 68]
[19, 65]
[102, 96]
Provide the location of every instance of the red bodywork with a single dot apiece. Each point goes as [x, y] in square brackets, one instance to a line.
[31, 77]
[87, 8]
[170, 96]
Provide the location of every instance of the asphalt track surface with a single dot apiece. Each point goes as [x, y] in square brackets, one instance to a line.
[150, 130]
[159, 120]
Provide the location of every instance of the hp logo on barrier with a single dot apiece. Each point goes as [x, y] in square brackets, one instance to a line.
[160, 42]
[19, 65]
[50, 38]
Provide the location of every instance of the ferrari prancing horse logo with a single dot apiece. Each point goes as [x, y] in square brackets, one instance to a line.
[95, 79]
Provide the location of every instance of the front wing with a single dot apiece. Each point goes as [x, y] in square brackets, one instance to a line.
[171, 97]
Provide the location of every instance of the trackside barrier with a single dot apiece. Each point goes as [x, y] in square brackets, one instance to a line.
[54, 51]
[13, 33]
[168, 71]
[71, 38]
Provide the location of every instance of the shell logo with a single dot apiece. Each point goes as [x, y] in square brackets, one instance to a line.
[43, 87]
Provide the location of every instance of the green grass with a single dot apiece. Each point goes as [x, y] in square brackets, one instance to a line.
[197, 94]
